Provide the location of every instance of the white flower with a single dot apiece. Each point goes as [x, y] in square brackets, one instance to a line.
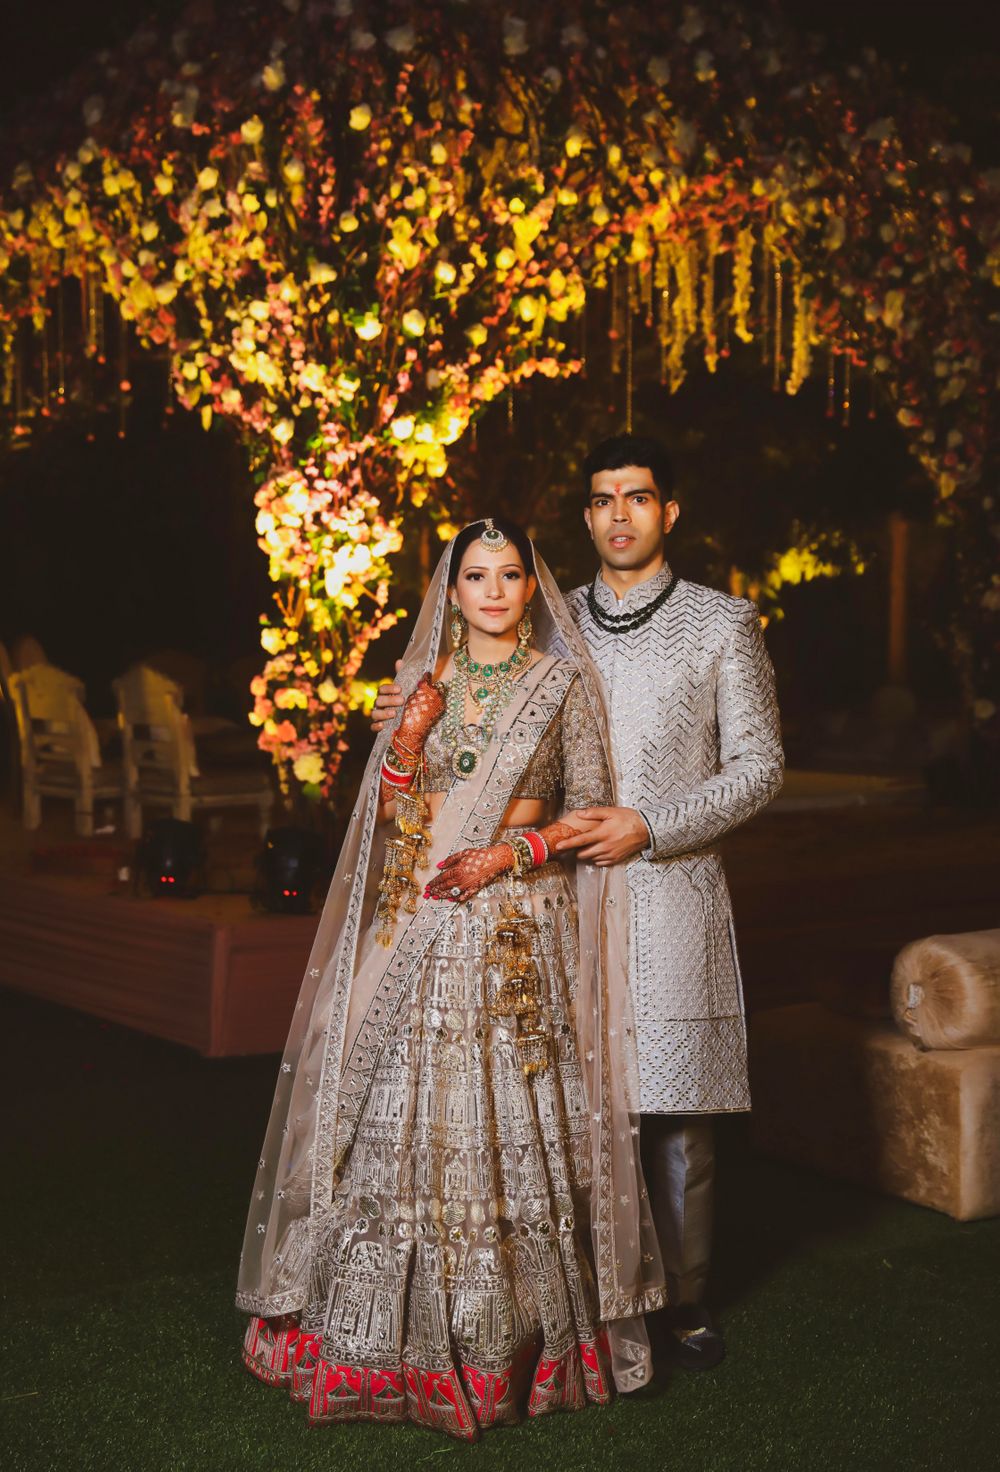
[553, 76]
[362, 40]
[573, 35]
[403, 426]
[658, 68]
[401, 38]
[514, 39]
[93, 110]
[368, 328]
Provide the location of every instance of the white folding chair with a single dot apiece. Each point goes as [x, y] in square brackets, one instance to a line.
[59, 751]
[160, 760]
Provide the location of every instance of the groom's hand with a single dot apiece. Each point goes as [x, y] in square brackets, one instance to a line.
[387, 702]
[613, 835]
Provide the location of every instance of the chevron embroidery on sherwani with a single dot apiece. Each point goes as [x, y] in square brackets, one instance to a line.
[696, 743]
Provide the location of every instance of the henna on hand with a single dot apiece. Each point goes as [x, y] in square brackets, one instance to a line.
[468, 871]
[421, 710]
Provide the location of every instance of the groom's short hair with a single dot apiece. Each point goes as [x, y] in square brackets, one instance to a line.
[620, 450]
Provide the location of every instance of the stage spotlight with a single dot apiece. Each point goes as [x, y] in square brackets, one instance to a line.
[170, 859]
[289, 869]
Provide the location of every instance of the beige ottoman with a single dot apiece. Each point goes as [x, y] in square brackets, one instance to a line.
[854, 1096]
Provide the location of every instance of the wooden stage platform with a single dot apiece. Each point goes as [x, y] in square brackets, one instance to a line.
[208, 973]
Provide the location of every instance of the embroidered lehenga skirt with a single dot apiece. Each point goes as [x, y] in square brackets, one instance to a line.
[451, 1285]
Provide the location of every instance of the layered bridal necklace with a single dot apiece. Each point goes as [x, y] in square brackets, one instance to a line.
[490, 686]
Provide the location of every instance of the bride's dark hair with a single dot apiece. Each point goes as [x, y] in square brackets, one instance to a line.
[474, 531]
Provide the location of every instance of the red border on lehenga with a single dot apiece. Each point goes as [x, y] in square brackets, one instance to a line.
[439, 1399]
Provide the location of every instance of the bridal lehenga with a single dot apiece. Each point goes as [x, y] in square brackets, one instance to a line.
[445, 1228]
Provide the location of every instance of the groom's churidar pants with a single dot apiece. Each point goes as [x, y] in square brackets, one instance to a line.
[678, 1162]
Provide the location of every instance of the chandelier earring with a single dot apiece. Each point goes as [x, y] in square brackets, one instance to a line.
[524, 627]
[458, 629]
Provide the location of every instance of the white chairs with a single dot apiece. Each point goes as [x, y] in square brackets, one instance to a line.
[160, 760]
[59, 751]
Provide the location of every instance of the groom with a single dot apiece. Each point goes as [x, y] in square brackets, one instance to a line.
[697, 750]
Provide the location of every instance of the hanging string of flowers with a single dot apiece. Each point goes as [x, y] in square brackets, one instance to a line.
[352, 228]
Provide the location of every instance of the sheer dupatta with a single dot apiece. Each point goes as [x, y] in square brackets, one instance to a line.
[352, 986]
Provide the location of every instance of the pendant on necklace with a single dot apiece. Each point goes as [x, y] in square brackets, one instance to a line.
[464, 761]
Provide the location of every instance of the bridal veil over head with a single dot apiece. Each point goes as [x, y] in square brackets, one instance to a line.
[351, 981]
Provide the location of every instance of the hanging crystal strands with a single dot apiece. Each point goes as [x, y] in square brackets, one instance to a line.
[616, 329]
[743, 284]
[44, 357]
[845, 404]
[124, 385]
[61, 341]
[630, 304]
[766, 271]
[778, 323]
[708, 331]
[802, 332]
[661, 282]
[645, 270]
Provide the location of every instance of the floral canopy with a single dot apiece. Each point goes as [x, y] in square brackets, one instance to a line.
[351, 227]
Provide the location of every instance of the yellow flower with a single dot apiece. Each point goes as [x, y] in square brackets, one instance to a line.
[309, 768]
[208, 178]
[477, 334]
[282, 431]
[516, 205]
[348, 222]
[439, 154]
[327, 692]
[445, 272]
[414, 322]
[575, 139]
[273, 75]
[505, 259]
[293, 170]
[360, 117]
[272, 640]
[252, 130]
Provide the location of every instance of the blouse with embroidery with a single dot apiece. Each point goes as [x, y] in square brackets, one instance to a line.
[569, 758]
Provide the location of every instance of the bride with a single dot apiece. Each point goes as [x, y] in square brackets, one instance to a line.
[449, 1224]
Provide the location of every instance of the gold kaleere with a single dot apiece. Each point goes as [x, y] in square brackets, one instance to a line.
[403, 854]
[519, 992]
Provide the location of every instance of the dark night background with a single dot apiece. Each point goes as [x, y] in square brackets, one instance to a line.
[115, 548]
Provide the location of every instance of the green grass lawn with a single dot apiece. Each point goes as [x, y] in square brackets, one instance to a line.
[862, 1332]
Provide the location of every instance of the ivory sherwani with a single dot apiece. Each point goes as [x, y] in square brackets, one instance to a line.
[696, 743]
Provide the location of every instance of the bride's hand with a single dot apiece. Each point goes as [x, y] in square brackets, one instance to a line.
[420, 712]
[464, 874]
